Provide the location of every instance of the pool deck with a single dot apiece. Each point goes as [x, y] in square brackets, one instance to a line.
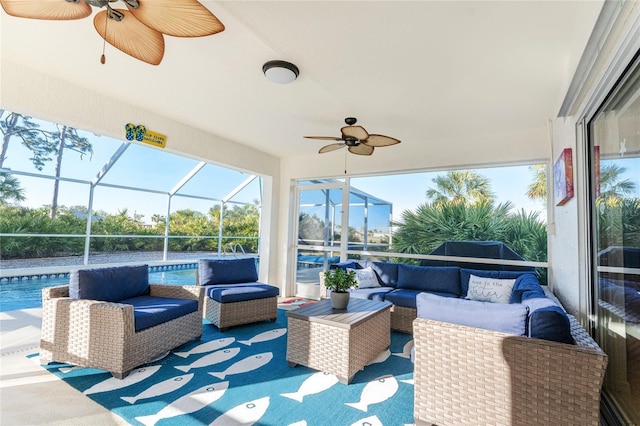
[29, 394]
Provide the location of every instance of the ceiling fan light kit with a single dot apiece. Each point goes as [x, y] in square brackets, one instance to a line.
[137, 31]
[281, 72]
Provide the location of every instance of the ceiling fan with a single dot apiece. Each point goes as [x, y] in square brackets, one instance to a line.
[137, 31]
[356, 139]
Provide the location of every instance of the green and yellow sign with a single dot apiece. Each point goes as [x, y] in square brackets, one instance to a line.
[141, 134]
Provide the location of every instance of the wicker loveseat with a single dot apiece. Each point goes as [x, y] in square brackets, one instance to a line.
[472, 376]
[113, 319]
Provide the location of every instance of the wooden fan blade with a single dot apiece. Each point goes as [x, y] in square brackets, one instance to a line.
[324, 138]
[361, 149]
[59, 10]
[331, 147]
[357, 132]
[381, 140]
[131, 36]
[178, 18]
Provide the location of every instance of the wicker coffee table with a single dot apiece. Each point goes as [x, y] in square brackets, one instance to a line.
[339, 342]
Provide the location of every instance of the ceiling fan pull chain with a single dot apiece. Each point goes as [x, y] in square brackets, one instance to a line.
[103, 58]
[345, 161]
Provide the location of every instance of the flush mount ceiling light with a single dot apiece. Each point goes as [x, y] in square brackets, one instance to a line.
[280, 72]
[137, 30]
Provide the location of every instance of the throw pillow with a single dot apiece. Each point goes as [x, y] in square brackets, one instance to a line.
[493, 290]
[366, 277]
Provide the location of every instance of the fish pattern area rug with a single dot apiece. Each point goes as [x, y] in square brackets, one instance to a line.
[241, 377]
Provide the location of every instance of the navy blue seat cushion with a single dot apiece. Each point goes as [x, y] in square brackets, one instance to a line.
[149, 311]
[109, 284]
[502, 317]
[502, 275]
[434, 279]
[241, 292]
[372, 293]
[227, 271]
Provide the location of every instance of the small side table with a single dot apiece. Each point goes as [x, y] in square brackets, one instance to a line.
[340, 342]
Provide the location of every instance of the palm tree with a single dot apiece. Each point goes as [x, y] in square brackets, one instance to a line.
[613, 190]
[10, 190]
[464, 187]
[537, 189]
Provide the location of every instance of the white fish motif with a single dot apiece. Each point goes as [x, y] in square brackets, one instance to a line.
[189, 403]
[66, 370]
[211, 359]
[265, 337]
[316, 383]
[243, 414]
[213, 345]
[382, 357]
[369, 421]
[245, 365]
[111, 384]
[300, 423]
[406, 350]
[377, 390]
[408, 381]
[161, 388]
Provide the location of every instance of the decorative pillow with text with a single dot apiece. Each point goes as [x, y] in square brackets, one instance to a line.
[366, 277]
[490, 289]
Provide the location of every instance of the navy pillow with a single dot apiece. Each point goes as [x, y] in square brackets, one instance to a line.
[526, 286]
[440, 279]
[502, 317]
[550, 323]
[502, 275]
[387, 273]
[109, 284]
[227, 271]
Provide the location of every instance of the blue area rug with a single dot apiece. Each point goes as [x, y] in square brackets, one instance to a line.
[240, 377]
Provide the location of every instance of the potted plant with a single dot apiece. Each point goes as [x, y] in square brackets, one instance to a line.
[339, 281]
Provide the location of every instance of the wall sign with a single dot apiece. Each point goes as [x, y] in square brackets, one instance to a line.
[563, 177]
[141, 134]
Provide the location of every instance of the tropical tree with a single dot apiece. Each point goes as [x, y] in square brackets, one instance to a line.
[40, 142]
[613, 190]
[465, 187]
[10, 190]
[537, 189]
[67, 138]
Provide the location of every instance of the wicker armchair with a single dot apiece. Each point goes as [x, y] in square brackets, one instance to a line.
[91, 333]
[471, 376]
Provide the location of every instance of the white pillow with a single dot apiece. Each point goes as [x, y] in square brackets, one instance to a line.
[366, 277]
[490, 289]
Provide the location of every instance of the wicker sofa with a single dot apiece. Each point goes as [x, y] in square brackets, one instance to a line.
[233, 295]
[470, 376]
[113, 319]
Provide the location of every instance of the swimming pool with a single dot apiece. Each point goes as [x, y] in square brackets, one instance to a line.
[27, 291]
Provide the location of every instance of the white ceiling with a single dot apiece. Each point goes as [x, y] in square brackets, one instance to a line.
[418, 71]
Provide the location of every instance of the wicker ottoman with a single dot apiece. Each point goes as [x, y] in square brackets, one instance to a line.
[339, 342]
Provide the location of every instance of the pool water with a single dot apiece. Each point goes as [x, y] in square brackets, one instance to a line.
[27, 293]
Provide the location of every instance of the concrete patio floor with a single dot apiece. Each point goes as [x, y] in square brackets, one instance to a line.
[29, 395]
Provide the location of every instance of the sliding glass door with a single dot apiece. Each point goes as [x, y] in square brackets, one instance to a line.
[614, 138]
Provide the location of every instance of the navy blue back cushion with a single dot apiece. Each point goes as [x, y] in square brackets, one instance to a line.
[387, 273]
[526, 287]
[109, 284]
[227, 271]
[502, 275]
[346, 265]
[435, 279]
